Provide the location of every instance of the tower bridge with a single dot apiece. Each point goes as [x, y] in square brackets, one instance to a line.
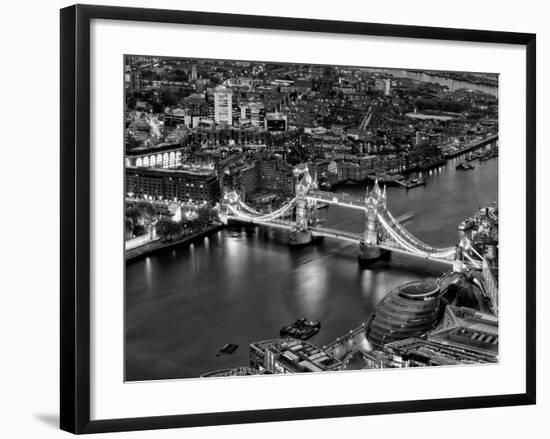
[383, 233]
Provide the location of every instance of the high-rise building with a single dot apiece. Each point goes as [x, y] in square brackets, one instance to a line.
[383, 84]
[133, 80]
[387, 87]
[254, 112]
[223, 101]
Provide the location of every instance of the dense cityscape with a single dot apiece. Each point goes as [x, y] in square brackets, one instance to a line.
[227, 151]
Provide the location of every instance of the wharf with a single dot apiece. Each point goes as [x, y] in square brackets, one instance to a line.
[159, 245]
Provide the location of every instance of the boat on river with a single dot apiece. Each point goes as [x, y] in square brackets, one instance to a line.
[228, 348]
[301, 329]
[466, 224]
[465, 166]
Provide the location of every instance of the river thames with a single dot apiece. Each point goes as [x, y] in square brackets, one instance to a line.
[242, 284]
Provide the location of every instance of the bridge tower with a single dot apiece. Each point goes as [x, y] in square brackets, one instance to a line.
[301, 234]
[375, 203]
[458, 263]
[463, 250]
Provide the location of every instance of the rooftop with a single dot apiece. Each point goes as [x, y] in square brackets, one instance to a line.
[298, 355]
[435, 353]
[418, 289]
[469, 329]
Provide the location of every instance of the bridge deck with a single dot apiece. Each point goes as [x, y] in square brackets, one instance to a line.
[338, 199]
[280, 224]
[335, 233]
[341, 235]
[395, 237]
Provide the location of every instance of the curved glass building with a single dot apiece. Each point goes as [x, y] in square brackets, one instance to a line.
[410, 310]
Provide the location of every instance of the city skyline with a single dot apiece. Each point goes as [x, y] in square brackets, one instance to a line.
[315, 175]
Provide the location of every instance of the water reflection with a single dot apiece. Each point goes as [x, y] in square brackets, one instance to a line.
[244, 283]
[309, 284]
[148, 273]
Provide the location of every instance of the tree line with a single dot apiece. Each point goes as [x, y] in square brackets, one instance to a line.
[142, 216]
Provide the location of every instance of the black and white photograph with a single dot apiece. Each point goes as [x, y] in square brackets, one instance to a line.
[275, 219]
[303, 218]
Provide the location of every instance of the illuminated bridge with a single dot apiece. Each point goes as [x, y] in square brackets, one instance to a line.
[383, 233]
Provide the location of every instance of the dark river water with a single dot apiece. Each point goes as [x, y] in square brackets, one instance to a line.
[242, 284]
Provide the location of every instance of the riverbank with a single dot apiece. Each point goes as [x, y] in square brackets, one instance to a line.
[160, 246]
[391, 180]
[243, 284]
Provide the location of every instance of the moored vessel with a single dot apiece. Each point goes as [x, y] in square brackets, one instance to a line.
[301, 329]
[466, 224]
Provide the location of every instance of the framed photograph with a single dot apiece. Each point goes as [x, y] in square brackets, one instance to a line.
[268, 218]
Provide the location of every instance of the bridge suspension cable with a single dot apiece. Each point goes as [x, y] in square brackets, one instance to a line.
[438, 254]
[261, 217]
[475, 263]
[414, 240]
[248, 208]
[393, 228]
[477, 253]
[399, 227]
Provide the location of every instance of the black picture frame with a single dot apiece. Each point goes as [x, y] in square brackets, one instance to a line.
[75, 217]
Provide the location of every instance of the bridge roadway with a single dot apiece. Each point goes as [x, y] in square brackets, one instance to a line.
[338, 199]
[335, 233]
[341, 235]
[276, 223]
[288, 225]
[347, 201]
[394, 248]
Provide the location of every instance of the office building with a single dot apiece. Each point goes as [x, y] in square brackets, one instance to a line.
[253, 113]
[384, 85]
[173, 184]
[223, 103]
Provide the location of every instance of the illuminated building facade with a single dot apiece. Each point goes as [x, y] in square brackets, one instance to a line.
[171, 184]
[223, 102]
